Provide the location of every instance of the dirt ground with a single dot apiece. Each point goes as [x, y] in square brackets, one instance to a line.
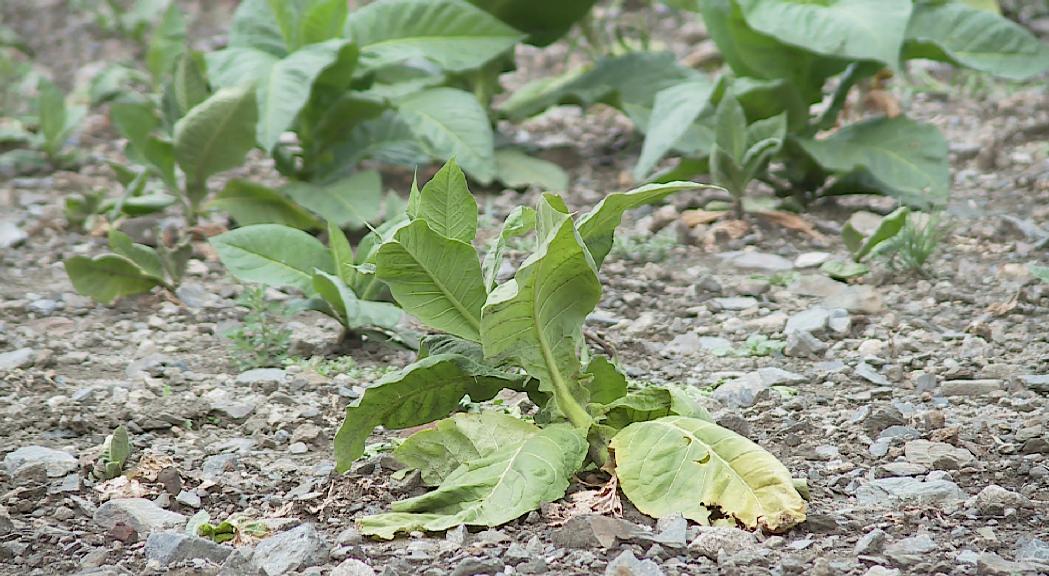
[919, 417]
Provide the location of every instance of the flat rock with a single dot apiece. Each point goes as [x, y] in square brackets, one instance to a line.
[21, 358]
[735, 303]
[804, 345]
[352, 567]
[991, 564]
[936, 455]
[139, 514]
[593, 530]
[1033, 550]
[236, 407]
[814, 321]
[970, 387]
[910, 551]
[757, 261]
[816, 285]
[858, 299]
[711, 540]
[811, 259]
[1036, 382]
[262, 376]
[291, 552]
[56, 462]
[10, 234]
[891, 492]
[626, 564]
[900, 469]
[994, 500]
[174, 547]
[870, 374]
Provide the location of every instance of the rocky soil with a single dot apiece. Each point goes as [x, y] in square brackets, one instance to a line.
[916, 407]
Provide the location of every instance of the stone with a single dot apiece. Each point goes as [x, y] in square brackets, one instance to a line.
[236, 407]
[139, 514]
[262, 376]
[910, 551]
[900, 469]
[868, 373]
[10, 234]
[188, 498]
[352, 567]
[881, 571]
[757, 261]
[711, 540]
[970, 388]
[1036, 382]
[817, 286]
[477, 566]
[291, 551]
[814, 321]
[1033, 550]
[672, 531]
[238, 563]
[811, 259]
[626, 564]
[804, 345]
[735, 303]
[901, 491]
[881, 417]
[174, 547]
[55, 463]
[742, 391]
[871, 542]
[858, 299]
[991, 564]
[994, 500]
[593, 530]
[937, 455]
[20, 358]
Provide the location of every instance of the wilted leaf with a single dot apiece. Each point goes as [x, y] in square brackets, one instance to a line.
[678, 465]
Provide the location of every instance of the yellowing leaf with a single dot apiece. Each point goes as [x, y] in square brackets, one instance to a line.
[688, 466]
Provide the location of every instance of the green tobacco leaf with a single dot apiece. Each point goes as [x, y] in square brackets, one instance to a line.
[853, 29]
[339, 118]
[107, 277]
[684, 401]
[216, 135]
[167, 43]
[273, 255]
[250, 203]
[491, 490]
[537, 317]
[255, 26]
[988, 5]
[353, 312]
[979, 39]
[607, 383]
[143, 256]
[889, 227]
[53, 115]
[844, 269]
[233, 67]
[543, 20]
[436, 279]
[438, 451]
[451, 123]
[435, 344]
[119, 447]
[323, 20]
[284, 93]
[519, 170]
[597, 227]
[903, 158]
[730, 127]
[756, 55]
[635, 78]
[726, 172]
[520, 221]
[341, 254]
[422, 392]
[351, 202]
[454, 35]
[852, 238]
[673, 112]
[679, 465]
[446, 205]
[637, 406]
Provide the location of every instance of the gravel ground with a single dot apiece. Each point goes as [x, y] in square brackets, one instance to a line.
[915, 406]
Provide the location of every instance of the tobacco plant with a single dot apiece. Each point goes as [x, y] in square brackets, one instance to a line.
[526, 335]
[783, 53]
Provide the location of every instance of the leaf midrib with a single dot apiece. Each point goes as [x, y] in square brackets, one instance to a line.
[475, 321]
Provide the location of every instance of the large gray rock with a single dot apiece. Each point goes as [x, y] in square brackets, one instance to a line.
[10, 234]
[14, 359]
[858, 299]
[1036, 382]
[994, 500]
[937, 455]
[56, 462]
[910, 551]
[352, 567]
[174, 547]
[907, 491]
[757, 261]
[742, 391]
[260, 376]
[713, 539]
[139, 514]
[291, 551]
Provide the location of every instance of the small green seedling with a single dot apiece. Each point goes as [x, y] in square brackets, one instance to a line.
[740, 152]
[117, 451]
[261, 341]
[861, 246]
[132, 268]
[915, 243]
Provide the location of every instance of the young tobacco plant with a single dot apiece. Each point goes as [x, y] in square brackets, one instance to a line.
[337, 281]
[526, 334]
[740, 152]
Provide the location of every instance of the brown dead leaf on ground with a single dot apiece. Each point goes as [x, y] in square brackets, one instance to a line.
[724, 230]
[792, 221]
[696, 217]
[604, 501]
[149, 466]
[122, 487]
